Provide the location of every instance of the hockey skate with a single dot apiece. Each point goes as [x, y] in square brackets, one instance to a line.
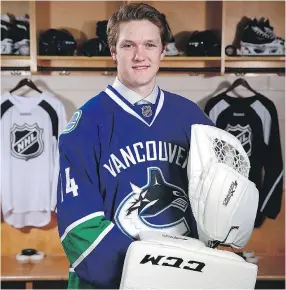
[258, 39]
[21, 35]
[265, 25]
[171, 48]
[6, 39]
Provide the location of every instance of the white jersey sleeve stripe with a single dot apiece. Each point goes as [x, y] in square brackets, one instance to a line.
[271, 191]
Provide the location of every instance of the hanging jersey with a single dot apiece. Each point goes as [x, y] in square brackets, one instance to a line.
[30, 127]
[254, 122]
[123, 169]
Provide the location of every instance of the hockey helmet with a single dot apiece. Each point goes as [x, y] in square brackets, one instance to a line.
[95, 47]
[101, 27]
[203, 43]
[171, 48]
[57, 42]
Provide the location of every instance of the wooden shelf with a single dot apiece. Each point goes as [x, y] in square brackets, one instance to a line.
[190, 62]
[255, 62]
[15, 61]
[107, 62]
[271, 267]
[169, 63]
[184, 17]
[50, 268]
[75, 61]
[255, 58]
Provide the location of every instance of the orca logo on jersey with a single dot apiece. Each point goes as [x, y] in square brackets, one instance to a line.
[243, 134]
[73, 122]
[26, 141]
[157, 205]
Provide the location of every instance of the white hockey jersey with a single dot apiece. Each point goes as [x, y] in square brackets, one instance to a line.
[30, 127]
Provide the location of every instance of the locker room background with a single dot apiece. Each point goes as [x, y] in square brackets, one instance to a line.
[73, 91]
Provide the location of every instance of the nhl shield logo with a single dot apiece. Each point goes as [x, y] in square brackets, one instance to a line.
[147, 111]
[243, 134]
[26, 141]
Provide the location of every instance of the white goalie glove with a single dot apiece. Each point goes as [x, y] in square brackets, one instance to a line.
[224, 202]
[163, 261]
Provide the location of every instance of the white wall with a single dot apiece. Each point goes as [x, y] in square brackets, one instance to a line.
[75, 90]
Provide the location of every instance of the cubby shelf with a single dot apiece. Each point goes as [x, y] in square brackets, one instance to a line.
[15, 61]
[184, 17]
[255, 62]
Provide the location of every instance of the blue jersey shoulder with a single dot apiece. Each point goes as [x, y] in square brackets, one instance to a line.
[186, 109]
[84, 122]
[179, 102]
[86, 116]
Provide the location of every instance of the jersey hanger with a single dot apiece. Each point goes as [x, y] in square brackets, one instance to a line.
[240, 82]
[26, 82]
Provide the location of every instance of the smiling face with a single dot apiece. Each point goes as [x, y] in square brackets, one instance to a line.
[138, 53]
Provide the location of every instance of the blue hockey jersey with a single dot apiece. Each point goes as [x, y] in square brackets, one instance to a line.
[123, 169]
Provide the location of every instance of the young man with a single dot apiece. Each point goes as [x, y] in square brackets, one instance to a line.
[123, 156]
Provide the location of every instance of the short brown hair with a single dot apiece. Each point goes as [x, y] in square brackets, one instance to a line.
[136, 11]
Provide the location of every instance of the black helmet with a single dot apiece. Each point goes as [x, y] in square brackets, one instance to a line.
[203, 43]
[57, 42]
[95, 47]
[101, 32]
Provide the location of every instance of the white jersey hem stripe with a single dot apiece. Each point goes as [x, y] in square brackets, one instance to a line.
[93, 245]
[270, 192]
[78, 222]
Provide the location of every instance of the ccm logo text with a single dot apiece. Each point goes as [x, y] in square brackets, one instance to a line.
[173, 262]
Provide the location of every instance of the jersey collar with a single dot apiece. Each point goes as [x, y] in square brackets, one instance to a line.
[131, 96]
[129, 108]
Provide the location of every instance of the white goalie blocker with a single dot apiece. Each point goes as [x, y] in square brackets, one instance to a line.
[163, 261]
[224, 202]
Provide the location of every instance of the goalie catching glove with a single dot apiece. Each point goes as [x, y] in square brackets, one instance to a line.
[163, 261]
[224, 202]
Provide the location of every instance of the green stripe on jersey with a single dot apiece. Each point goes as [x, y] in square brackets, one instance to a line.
[81, 237]
[76, 283]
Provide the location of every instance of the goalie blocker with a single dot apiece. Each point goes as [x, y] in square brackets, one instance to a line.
[163, 261]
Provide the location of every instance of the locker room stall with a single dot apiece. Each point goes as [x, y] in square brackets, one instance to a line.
[72, 80]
